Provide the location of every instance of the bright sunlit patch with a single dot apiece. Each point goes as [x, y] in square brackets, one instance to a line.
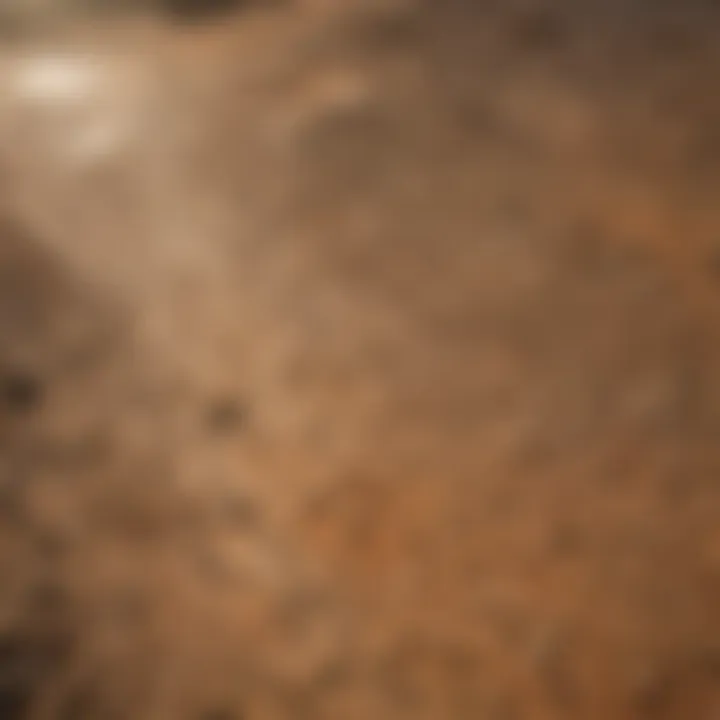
[57, 79]
[78, 108]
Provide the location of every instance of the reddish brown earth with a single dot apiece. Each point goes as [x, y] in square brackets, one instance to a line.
[364, 363]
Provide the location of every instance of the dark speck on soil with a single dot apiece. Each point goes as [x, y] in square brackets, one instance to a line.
[20, 392]
[226, 415]
[24, 663]
[541, 29]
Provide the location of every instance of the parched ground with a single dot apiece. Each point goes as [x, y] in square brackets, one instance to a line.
[361, 361]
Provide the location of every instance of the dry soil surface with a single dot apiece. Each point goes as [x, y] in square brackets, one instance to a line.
[362, 363]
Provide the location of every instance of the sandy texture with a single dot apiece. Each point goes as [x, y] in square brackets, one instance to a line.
[362, 362]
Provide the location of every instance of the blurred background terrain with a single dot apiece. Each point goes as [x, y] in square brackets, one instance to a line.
[359, 360]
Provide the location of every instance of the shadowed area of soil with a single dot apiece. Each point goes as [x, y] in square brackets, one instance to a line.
[360, 362]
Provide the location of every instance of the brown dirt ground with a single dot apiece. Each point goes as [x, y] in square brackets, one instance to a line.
[373, 374]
